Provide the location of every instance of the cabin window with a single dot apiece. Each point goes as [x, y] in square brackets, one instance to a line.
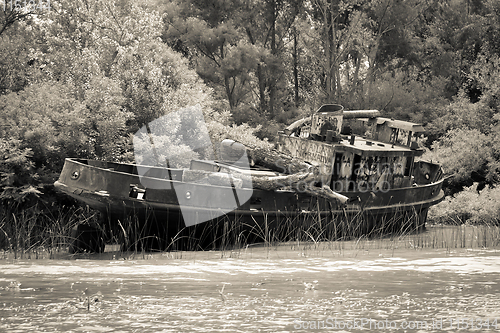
[408, 167]
[366, 167]
[402, 137]
[342, 171]
[375, 165]
[337, 165]
[408, 141]
[353, 172]
[360, 174]
[369, 171]
[398, 168]
[337, 162]
[394, 136]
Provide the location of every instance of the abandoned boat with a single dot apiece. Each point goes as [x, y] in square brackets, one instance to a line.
[333, 175]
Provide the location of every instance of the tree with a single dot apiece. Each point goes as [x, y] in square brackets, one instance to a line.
[18, 35]
[241, 49]
[105, 118]
[270, 25]
[221, 58]
[156, 80]
[15, 69]
[47, 120]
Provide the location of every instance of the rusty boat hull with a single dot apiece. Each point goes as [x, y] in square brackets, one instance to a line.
[152, 218]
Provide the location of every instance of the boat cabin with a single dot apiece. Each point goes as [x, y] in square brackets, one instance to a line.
[378, 155]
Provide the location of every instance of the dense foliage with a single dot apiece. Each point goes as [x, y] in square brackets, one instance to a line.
[82, 78]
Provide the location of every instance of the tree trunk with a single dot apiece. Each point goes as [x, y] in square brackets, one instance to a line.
[355, 78]
[231, 151]
[328, 52]
[274, 160]
[295, 56]
[332, 70]
[335, 71]
[262, 89]
[371, 68]
[272, 76]
[300, 182]
[260, 78]
[229, 93]
[227, 84]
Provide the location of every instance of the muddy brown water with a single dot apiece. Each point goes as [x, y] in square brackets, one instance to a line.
[343, 287]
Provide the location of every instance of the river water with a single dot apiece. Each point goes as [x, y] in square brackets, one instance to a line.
[353, 286]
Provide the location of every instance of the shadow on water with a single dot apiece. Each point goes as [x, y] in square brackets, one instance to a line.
[436, 278]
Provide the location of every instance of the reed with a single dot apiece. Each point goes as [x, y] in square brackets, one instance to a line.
[39, 230]
[43, 232]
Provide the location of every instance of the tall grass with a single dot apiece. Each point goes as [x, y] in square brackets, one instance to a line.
[40, 231]
[457, 237]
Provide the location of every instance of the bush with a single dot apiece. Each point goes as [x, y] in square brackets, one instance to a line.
[15, 164]
[469, 206]
[46, 119]
[461, 113]
[467, 155]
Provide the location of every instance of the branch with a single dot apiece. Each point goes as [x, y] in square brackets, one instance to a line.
[12, 17]
[122, 32]
[386, 9]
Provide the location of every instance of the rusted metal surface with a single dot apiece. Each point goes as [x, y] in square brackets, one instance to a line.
[118, 185]
[315, 152]
[361, 114]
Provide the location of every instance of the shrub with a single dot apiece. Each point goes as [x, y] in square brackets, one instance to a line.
[469, 206]
[464, 153]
